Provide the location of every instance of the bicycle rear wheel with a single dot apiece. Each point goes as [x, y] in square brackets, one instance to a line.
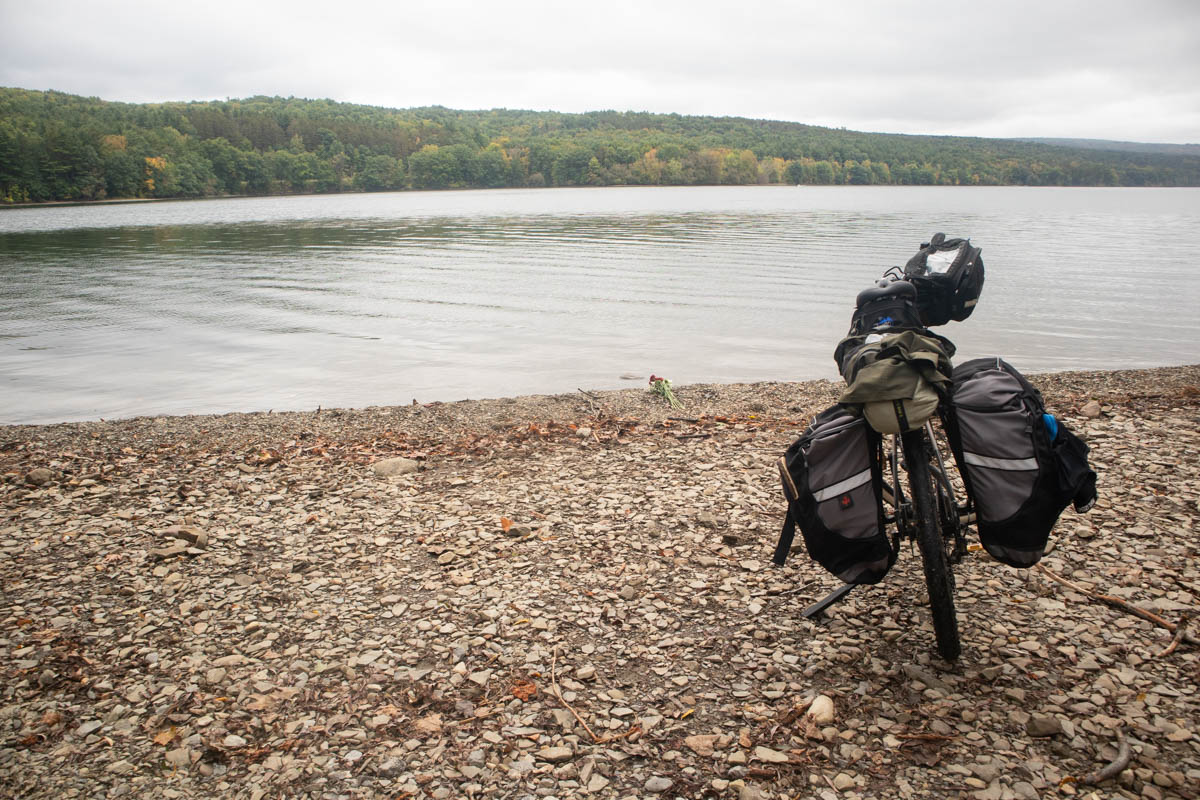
[938, 579]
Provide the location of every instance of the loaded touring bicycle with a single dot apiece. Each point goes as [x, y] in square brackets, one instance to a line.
[875, 469]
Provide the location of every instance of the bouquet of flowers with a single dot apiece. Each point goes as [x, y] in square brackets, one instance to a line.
[662, 388]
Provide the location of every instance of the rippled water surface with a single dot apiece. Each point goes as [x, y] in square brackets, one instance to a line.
[293, 303]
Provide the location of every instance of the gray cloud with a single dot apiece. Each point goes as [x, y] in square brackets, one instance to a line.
[1093, 69]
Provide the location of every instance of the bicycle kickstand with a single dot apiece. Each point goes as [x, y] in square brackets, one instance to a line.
[837, 595]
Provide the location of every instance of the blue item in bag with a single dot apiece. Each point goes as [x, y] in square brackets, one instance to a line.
[1051, 425]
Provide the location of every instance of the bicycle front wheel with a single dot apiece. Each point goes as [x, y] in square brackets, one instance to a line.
[938, 579]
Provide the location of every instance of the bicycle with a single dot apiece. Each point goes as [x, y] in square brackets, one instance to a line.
[855, 503]
[919, 491]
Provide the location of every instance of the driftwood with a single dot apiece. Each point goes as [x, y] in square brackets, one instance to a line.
[1118, 603]
[1180, 632]
[1113, 769]
[558, 693]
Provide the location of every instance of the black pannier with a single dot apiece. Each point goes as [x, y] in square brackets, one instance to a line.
[948, 274]
[1021, 466]
[833, 483]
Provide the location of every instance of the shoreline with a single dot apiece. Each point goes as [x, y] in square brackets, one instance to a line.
[708, 398]
[569, 595]
[137, 200]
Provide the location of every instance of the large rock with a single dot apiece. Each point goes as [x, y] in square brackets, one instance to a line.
[390, 467]
[1040, 726]
[821, 711]
[39, 477]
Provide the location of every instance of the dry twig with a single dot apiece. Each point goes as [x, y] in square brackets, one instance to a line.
[1116, 602]
[558, 693]
[1113, 769]
[1180, 632]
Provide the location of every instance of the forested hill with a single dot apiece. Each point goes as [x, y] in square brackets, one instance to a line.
[55, 146]
[1133, 147]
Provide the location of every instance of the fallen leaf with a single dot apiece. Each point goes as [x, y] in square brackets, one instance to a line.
[506, 524]
[524, 690]
[165, 737]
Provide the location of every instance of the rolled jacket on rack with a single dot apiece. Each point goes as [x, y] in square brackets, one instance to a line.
[898, 378]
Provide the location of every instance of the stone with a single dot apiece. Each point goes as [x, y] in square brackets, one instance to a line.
[390, 467]
[702, 744]
[430, 725]
[821, 711]
[179, 757]
[658, 784]
[555, 755]
[170, 551]
[770, 756]
[87, 727]
[1041, 726]
[1090, 410]
[233, 741]
[39, 477]
[597, 783]
[842, 782]
[391, 768]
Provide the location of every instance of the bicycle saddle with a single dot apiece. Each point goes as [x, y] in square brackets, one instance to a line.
[886, 290]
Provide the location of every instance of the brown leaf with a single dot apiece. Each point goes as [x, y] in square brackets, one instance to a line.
[524, 690]
[51, 718]
[506, 524]
[165, 737]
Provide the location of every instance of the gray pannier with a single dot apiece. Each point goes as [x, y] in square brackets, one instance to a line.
[1021, 466]
[833, 482]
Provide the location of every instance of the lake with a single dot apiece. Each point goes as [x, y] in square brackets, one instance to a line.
[291, 303]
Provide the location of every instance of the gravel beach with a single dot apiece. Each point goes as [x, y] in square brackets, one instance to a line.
[571, 596]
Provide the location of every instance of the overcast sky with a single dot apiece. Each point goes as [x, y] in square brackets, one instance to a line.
[1103, 69]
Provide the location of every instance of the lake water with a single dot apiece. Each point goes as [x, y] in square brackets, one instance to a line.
[298, 302]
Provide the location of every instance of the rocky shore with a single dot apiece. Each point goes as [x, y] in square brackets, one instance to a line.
[569, 597]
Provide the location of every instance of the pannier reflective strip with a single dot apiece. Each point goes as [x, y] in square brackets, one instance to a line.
[1011, 464]
[841, 487]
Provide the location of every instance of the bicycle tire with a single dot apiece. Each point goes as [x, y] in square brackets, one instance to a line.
[938, 579]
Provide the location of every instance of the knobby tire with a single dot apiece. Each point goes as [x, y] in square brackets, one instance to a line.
[929, 540]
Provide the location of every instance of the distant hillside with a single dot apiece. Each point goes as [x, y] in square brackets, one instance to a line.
[56, 146]
[1127, 147]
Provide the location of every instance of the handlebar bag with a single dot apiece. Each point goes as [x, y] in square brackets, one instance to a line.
[948, 274]
[1021, 466]
[833, 482]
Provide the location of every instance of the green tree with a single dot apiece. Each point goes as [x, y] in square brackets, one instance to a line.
[380, 173]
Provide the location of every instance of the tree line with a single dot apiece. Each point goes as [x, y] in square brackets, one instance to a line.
[61, 147]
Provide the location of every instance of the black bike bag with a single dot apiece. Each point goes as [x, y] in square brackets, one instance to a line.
[1021, 466]
[833, 482]
[893, 306]
[948, 274]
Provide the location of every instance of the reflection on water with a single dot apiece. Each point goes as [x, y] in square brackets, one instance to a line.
[291, 303]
